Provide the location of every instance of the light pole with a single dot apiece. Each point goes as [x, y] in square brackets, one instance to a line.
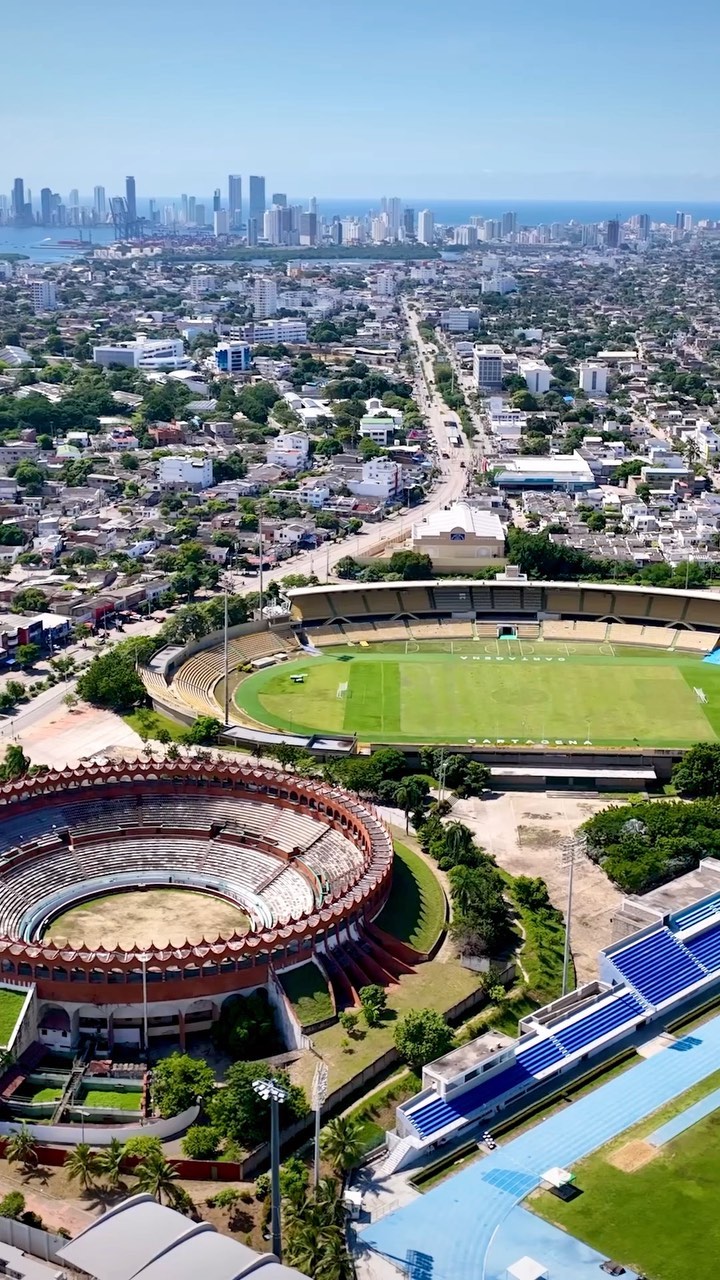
[225, 660]
[143, 958]
[571, 851]
[83, 1116]
[270, 1091]
[319, 1094]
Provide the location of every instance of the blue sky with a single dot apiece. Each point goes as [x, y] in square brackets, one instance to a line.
[526, 99]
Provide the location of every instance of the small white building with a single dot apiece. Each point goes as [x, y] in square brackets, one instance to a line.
[289, 450]
[488, 366]
[460, 536]
[143, 353]
[381, 478]
[593, 378]
[187, 472]
[379, 430]
[313, 492]
[536, 374]
[233, 357]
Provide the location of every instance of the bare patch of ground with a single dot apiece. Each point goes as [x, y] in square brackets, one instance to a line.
[633, 1156]
[143, 917]
[524, 833]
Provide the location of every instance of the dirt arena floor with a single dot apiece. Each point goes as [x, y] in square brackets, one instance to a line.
[142, 917]
[524, 833]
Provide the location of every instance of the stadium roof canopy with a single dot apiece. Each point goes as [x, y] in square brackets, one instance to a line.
[141, 1238]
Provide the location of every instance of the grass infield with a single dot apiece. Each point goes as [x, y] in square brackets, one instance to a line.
[308, 993]
[504, 691]
[10, 1006]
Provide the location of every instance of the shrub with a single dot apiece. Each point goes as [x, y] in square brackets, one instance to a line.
[12, 1205]
[201, 1142]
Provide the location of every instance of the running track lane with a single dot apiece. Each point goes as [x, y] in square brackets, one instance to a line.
[454, 1224]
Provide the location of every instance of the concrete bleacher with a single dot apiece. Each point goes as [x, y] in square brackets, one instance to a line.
[626, 633]
[696, 641]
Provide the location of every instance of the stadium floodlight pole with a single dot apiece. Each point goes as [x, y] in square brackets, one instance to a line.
[270, 1091]
[319, 1094]
[260, 553]
[225, 659]
[143, 958]
[571, 851]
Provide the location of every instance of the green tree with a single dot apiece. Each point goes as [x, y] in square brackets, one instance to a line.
[30, 601]
[178, 1081]
[698, 773]
[81, 1165]
[422, 1036]
[157, 1177]
[201, 1142]
[241, 1115]
[342, 1143]
[15, 763]
[112, 680]
[27, 655]
[409, 566]
[373, 999]
[204, 732]
[22, 1149]
[143, 1145]
[12, 1205]
[109, 1163]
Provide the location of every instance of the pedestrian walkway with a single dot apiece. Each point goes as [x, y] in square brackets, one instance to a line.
[453, 1226]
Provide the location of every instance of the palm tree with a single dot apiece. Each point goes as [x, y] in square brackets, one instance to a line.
[109, 1162]
[21, 1148]
[463, 881]
[342, 1143]
[157, 1177]
[458, 840]
[81, 1164]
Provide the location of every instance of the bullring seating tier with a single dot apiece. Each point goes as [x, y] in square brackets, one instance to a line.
[238, 871]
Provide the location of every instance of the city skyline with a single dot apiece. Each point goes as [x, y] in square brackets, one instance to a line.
[526, 103]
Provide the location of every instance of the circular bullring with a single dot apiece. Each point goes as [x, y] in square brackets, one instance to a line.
[264, 867]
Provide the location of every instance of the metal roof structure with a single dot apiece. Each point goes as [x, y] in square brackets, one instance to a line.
[141, 1238]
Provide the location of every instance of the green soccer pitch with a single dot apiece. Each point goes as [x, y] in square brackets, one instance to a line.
[502, 691]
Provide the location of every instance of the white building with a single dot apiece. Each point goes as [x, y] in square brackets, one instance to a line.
[385, 284]
[460, 536]
[289, 450]
[426, 226]
[536, 374]
[233, 357]
[286, 330]
[144, 353]
[459, 319]
[188, 472]
[488, 366]
[264, 297]
[381, 479]
[313, 492]
[202, 282]
[379, 430]
[221, 222]
[43, 295]
[593, 378]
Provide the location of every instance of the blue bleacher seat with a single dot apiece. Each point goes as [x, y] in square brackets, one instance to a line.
[658, 966]
[706, 948]
[699, 911]
[598, 1022]
[436, 1113]
[540, 1055]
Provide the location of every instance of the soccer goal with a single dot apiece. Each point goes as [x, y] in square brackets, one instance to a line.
[342, 690]
[700, 694]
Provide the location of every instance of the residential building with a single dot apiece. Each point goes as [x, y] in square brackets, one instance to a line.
[408, 223]
[488, 366]
[144, 353]
[379, 430]
[185, 472]
[307, 228]
[99, 204]
[313, 492]
[233, 357]
[256, 198]
[289, 450]
[612, 234]
[202, 282]
[460, 537]
[220, 222]
[43, 295]
[426, 226]
[593, 378]
[287, 330]
[235, 201]
[130, 199]
[381, 478]
[264, 297]
[536, 374]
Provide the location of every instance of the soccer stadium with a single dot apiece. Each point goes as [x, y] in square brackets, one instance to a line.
[477, 665]
[102, 866]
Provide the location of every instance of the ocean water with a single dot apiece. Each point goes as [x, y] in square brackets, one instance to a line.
[40, 244]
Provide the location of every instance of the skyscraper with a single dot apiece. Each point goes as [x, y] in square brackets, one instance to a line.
[191, 209]
[18, 201]
[99, 201]
[509, 224]
[184, 207]
[217, 202]
[256, 207]
[409, 222]
[426, 226]
[130, 199]
[235, 201]
[612, 233]
[46, 206]
[394, 213]
[279, 198]
[74, 199]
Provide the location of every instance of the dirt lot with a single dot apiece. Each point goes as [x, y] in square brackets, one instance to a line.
[524, 831]
[633, 1156]
[143, 917]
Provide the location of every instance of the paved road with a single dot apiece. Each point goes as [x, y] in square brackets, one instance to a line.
[374, 537]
